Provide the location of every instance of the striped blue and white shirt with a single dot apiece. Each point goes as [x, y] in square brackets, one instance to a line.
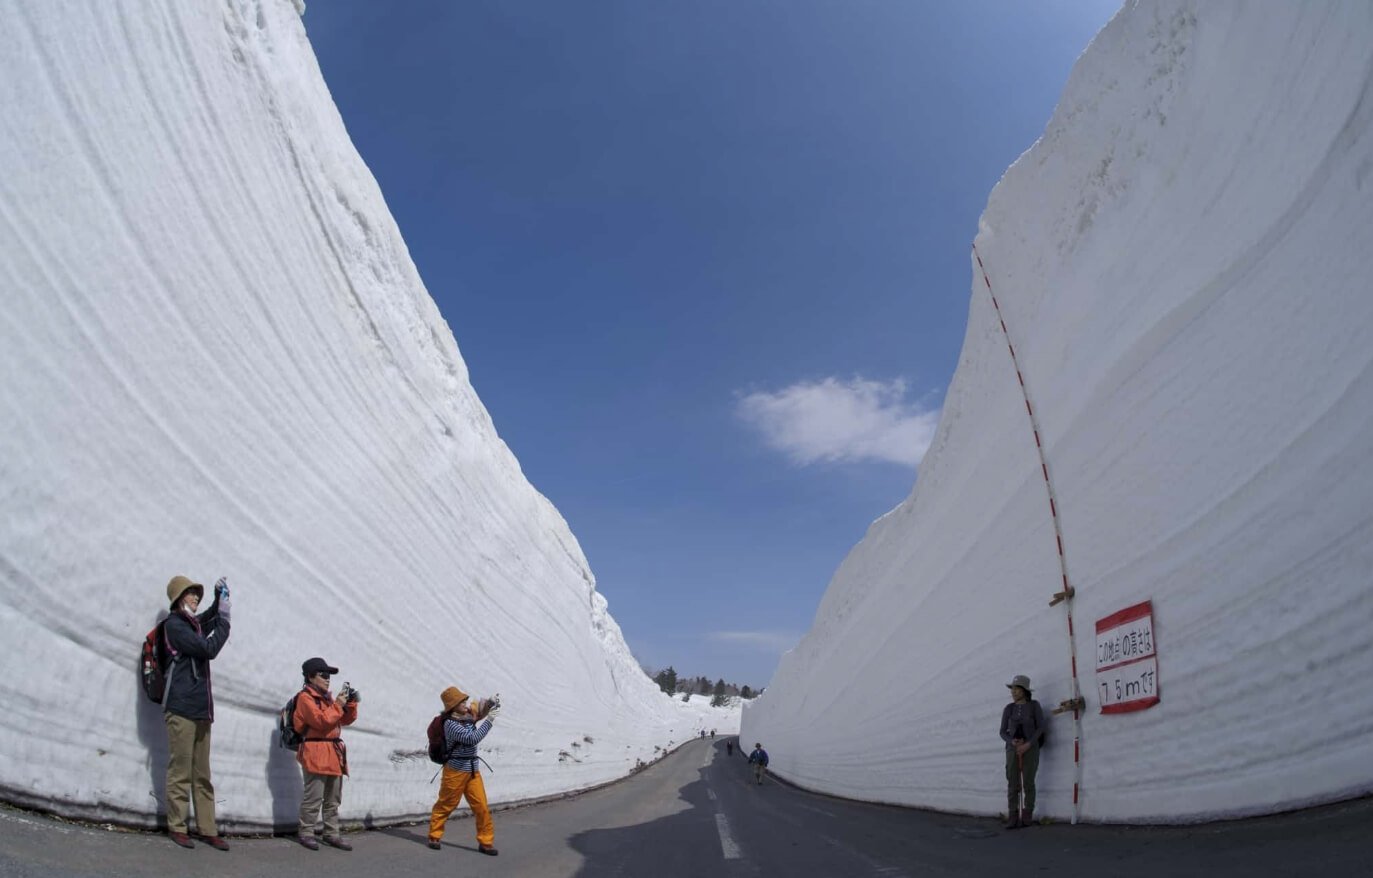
[461, 739]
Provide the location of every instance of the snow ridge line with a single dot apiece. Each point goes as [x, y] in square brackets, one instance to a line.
[1067, 594]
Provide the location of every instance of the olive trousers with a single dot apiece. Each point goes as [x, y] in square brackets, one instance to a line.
[1026, 767]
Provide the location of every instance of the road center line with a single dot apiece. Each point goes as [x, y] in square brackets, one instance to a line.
[727, 844]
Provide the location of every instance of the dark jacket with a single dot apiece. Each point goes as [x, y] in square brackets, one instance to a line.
[759, 755]
[188, 673]
[1030, 719]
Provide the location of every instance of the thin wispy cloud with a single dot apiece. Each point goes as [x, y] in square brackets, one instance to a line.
[766, 641]
[835, 421]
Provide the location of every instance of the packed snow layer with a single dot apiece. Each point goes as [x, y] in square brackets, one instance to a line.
[1183, 264]
[219, 359]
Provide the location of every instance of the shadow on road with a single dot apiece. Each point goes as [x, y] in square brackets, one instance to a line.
[285, 783]
[152, 734]
[420, 835]
[641, 849]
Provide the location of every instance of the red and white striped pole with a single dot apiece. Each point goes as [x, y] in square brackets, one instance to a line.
[1067, 593]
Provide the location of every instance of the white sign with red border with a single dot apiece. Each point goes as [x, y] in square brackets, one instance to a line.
[1127, 660]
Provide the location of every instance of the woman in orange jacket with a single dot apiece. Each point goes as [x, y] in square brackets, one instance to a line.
[322, 756]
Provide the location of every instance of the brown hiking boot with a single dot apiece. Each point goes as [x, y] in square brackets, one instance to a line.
[308, 841]
[215, 842]
[335, 841]
[487, 849]
[1027, 817]
[182, 839]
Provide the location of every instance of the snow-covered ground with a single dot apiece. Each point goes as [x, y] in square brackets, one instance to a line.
[219, 359]
[1183, 265]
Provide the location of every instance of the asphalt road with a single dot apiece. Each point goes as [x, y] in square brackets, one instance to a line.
[698, 813]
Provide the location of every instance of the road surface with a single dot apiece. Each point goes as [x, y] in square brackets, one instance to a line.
[698, 813]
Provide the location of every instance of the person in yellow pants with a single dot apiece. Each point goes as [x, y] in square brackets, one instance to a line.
[461, 777]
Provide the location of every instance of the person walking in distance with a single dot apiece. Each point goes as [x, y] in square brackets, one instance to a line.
[323, 758]
[729, 748]
[188, 707]
[462, 733]
[1022, 728]
[759, 760]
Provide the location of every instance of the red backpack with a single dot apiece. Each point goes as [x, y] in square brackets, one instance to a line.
[153, 660]
[438, 745]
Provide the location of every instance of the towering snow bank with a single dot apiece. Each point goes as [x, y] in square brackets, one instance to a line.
[218, 358]
[1183, 265]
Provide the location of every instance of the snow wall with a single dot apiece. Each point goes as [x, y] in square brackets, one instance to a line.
[1183, 262]
[219, 359]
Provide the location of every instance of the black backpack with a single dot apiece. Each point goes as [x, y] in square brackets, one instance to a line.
[153, 659]
[286, 725]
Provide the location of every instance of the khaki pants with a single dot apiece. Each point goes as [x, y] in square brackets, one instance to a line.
[188, 773]
[323, 793]
[759, 769]
[454, 786]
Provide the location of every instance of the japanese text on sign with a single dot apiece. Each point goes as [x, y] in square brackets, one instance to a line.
[1128, 642]
[1126, 660]
[1127, 683]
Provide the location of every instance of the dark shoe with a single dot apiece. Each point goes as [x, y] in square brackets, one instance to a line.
[215, 842]
[308, 841]
[335, 841]
[182, 839]
[434, 845]
[1027, 818]
[487, 849]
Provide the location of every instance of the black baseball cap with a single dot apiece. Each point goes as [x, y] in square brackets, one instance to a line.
[316, 665]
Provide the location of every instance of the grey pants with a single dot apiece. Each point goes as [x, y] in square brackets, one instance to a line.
[1028, 766]
[323, 792]
[188, 773]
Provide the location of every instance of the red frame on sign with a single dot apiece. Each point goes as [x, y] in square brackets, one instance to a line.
[1116, 620]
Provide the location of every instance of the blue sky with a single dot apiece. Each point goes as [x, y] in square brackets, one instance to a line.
[707, 262]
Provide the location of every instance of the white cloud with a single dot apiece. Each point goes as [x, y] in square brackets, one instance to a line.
[768, 641]
[842, 421]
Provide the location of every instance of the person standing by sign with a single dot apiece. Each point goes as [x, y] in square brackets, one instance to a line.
[1022, 728]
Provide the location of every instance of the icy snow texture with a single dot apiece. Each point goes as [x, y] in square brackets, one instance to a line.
[219, 359]
[1183, 263]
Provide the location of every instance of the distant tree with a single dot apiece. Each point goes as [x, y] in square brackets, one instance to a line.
[667, 680]
[746, 692]
[719, 699]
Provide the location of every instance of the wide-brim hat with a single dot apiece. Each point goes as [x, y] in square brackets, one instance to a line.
[1019, 680]
[316, 665]
[179, 585]
[452, 697]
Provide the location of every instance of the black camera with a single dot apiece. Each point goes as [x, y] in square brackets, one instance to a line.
[349, 692]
